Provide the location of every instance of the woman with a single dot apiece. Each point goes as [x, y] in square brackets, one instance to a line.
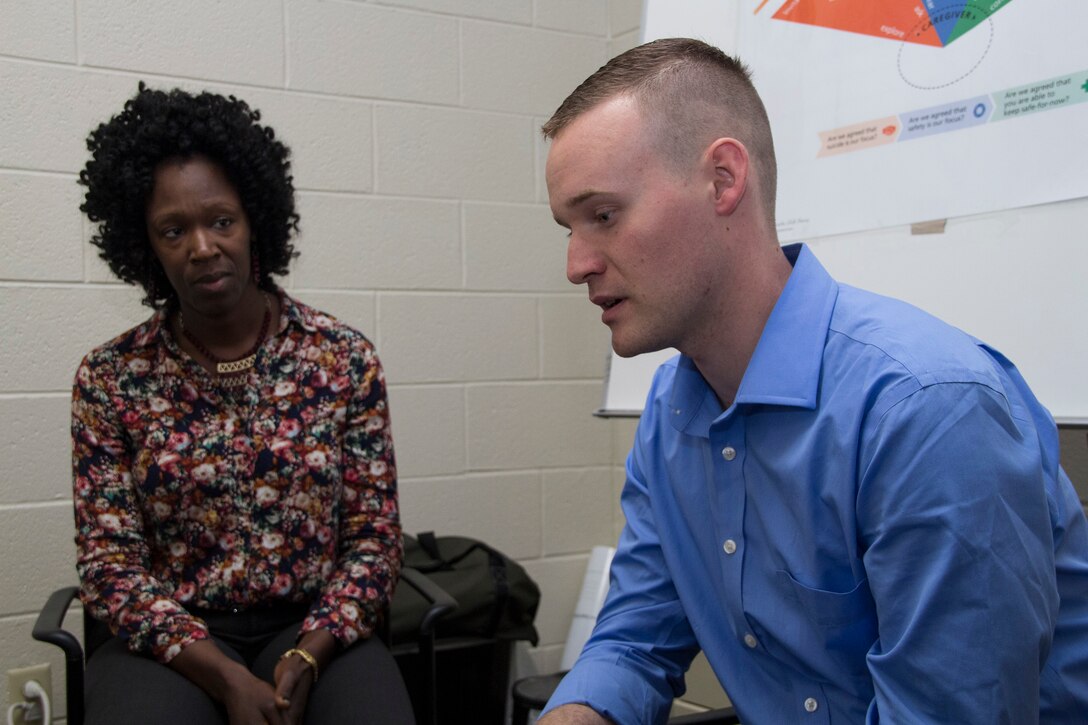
[235, 490]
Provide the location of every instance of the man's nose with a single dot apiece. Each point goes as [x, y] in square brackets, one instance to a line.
[582, 260]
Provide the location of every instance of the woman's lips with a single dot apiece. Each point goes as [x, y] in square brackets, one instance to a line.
[212, 282]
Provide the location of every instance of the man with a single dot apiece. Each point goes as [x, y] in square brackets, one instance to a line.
[855, 510]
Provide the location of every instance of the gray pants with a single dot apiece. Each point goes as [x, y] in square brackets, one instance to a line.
[362, 685]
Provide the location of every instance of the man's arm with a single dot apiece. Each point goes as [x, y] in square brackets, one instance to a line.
[573, 715]
[634, 662]
[953, 512]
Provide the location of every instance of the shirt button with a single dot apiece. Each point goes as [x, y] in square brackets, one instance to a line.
[730, 546]
[811, 705]
[750, 640]
[729, 453]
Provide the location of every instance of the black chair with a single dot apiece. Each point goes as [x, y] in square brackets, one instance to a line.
[532, 693]
[474, 645]
[472, 682]
[49, 628]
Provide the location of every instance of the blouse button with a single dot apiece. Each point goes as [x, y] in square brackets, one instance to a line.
[750, 640]
[811, 705]
[729, 453]
[730, 546]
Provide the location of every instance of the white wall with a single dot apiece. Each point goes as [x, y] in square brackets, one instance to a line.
[419, 167]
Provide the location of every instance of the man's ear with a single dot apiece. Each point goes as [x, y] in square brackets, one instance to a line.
[729, 160]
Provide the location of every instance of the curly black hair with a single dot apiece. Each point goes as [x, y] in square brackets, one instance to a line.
[155, 126]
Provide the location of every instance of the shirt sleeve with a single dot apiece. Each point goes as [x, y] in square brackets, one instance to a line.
[633, 665]
[953, 511]
[370, 547]
[112, 553]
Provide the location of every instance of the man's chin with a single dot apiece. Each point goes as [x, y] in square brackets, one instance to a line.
[633, 348]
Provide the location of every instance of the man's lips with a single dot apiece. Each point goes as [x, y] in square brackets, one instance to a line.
[605, 302]
[610, 306]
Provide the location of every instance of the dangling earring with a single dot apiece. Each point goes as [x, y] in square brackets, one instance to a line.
[152, 288]
[256, 264]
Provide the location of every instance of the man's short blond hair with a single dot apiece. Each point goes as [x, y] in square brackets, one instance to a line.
[689, 93]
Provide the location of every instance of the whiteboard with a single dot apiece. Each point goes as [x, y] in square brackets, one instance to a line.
[1016, 278]
[628, 380]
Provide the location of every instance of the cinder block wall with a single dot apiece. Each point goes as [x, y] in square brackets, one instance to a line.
[419, 167]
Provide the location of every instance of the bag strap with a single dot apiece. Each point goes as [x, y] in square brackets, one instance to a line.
[429, 544]
[502, 589]
[496, 564]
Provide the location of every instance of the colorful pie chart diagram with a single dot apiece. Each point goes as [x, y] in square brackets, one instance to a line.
[925, 22]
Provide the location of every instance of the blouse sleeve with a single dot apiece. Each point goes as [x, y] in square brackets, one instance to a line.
[370, 547]
[112, 552]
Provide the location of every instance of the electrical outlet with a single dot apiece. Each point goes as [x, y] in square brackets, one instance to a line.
[16, 680]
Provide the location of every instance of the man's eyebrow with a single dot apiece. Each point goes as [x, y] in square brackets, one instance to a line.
[575, 201]
[579, 198]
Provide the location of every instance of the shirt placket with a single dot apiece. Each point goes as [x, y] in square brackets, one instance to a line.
[727, 465]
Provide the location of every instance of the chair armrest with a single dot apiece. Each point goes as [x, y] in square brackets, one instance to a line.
[441, 602]
[49, 626]
[534, 691]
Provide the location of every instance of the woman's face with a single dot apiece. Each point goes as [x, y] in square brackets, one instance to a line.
[201, 235]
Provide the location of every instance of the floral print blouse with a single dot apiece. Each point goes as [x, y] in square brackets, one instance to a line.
[192, 495]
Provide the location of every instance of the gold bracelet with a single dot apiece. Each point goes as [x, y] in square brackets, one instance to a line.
[306, 657]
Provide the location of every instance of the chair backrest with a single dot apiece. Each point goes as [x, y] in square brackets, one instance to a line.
[590, 601]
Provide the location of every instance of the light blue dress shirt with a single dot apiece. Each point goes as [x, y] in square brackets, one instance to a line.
[877, 529]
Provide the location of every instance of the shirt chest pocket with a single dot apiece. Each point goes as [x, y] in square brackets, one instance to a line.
[835, 630]
[826, 608]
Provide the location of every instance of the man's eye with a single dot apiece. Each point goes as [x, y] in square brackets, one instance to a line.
[604, 216]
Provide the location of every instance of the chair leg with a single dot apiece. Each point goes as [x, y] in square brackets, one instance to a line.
[430, 679]
[520, 716]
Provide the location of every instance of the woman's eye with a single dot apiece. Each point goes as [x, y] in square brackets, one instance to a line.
[171, 233]
[223, 222]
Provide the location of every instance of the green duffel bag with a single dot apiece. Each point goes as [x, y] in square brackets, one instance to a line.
[495, 597]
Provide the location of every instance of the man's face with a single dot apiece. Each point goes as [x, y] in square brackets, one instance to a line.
[640, 232]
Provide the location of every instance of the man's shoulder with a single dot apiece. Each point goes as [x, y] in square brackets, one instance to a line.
[896, 338]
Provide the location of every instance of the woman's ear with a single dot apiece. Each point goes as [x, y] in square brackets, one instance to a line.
[729, 160]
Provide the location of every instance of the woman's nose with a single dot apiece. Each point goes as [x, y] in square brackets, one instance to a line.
[202, 245]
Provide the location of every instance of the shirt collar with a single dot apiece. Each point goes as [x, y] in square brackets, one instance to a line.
[785, 366]
[292, 312]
